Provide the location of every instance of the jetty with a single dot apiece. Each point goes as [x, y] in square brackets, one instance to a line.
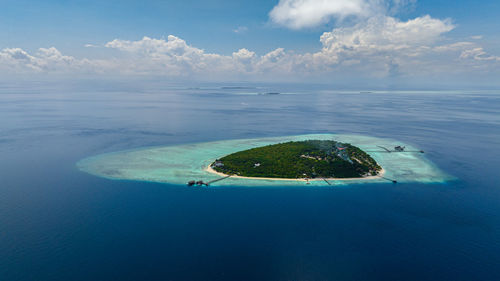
[219, 179]
[386, 149]
[326, 181]
[397, 149]
[202, 183]
[393, 181]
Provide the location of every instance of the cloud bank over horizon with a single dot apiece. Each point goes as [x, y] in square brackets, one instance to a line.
[378, 45]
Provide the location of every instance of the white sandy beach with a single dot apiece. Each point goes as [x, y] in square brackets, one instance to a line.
[380, 175]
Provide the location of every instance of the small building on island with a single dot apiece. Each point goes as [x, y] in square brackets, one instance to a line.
[218, 163]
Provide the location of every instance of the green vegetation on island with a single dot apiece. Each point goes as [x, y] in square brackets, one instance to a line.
[300, 159]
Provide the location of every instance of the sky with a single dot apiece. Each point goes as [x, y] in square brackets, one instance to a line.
[354, 41]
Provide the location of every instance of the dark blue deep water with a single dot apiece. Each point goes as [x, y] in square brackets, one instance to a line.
[57, 223]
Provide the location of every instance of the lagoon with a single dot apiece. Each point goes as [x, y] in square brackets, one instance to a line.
[179, 164]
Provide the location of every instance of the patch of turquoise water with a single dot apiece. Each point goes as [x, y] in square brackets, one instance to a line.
[182, 163]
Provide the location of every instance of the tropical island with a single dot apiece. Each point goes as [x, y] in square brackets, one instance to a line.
[308, 159]
[179, 164]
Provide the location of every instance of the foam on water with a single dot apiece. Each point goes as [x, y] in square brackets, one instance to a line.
[182, 163]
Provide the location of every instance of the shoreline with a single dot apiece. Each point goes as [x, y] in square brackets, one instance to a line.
[380, 175]
[184, 162]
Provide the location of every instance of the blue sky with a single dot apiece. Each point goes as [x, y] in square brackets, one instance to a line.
[223, 27]
[69, 25]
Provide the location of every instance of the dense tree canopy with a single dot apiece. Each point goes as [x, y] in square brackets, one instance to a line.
[300, 159]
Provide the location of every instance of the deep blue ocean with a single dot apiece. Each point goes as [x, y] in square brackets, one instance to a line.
[57, 223]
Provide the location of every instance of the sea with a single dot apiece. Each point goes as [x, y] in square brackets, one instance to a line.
[59, 223]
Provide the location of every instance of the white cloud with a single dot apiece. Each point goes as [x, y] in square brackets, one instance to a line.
[51, 58]
[172, 56]
[478, 54]
[380, 46]
[173, 46]
[377, 44]
[244, 55]
[240, 29]
[44, 60]
[456, 46]
[384, 46]
[273, 57]
[385, 34]
[244, 59]
[18, 60]
[297, 14]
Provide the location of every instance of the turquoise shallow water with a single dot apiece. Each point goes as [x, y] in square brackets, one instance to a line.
[181, 163]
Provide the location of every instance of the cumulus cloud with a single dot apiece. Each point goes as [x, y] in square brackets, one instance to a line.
[297, 14]
[44, 60]
[385, 34]
[383, 45]
[376, 44]
[379, 46]
[243, 55]
[244, 58]
[18, 59]
[150, 46]
[173, 56]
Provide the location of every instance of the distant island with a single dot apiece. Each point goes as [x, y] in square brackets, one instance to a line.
[310, 159]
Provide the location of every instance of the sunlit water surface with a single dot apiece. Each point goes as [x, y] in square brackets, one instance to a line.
[58, 223]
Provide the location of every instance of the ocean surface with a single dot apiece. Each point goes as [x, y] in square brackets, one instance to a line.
[58, 223]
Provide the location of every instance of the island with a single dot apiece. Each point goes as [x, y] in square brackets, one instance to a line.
[182, 163]
[308, 159]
